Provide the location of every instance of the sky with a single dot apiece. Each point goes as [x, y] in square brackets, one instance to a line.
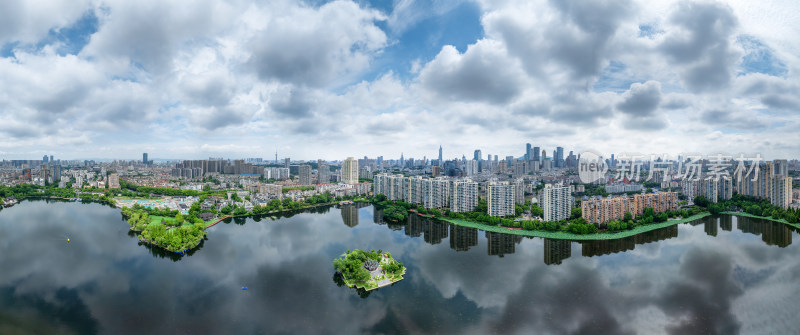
[330, 79]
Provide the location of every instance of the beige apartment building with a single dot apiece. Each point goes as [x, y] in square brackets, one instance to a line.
[602, 210]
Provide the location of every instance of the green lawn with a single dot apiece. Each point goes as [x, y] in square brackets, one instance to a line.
[157, 219]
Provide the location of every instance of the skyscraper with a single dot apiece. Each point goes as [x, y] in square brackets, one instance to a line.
[286, 162]
[528, 152]
[536, 157]
[350, 171]
[440, 155]
[559, 157]
[477, 155]
[144, 158]
[44, 159]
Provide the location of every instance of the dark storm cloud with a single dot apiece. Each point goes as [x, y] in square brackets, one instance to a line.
[701, 303]
[641, 99]
[482, 73]
[700, 43]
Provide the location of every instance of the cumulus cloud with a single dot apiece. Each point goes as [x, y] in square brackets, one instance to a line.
[566, 69]
[700, 42]
[317, 46]
[641, 99]
[291, 102]
[482, 73]
[25, 22]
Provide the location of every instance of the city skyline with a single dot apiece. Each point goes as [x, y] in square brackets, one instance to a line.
[87, 80]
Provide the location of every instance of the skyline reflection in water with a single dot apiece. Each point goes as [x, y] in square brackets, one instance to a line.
[716, 275]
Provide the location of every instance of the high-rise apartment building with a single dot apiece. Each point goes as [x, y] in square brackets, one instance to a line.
[304, 172]
[463, 195]
[350, 171]
[557, 202]
[781, 189]
[500, 198]
[767, 180]
[716, 189]
[519, 191]
[113, 180]
[323, 172]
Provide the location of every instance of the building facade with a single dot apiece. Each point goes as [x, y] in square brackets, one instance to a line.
[350, 171]
[557, 202]
[304, 172]
[500, 198]
[602, 210]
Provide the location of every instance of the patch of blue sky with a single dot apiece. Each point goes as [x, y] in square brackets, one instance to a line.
[421, 41]
[759, 58]
[649, 30]
[7, 50]
[69, 40]
[614, 79]
[72, 39]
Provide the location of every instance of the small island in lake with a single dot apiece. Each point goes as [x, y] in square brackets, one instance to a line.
[369, 269]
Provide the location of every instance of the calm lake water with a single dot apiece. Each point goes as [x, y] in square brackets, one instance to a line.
[722, 275]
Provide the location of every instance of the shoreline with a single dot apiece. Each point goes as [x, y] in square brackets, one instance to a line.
[470, 224]
[769, 218]
[558, 235]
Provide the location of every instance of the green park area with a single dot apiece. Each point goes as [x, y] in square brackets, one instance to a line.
[368, 269]
[576, 228]
[177, 234]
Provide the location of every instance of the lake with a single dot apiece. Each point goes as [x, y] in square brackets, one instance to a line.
[722, 275]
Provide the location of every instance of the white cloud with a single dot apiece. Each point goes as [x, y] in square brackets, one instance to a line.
[280, 73]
